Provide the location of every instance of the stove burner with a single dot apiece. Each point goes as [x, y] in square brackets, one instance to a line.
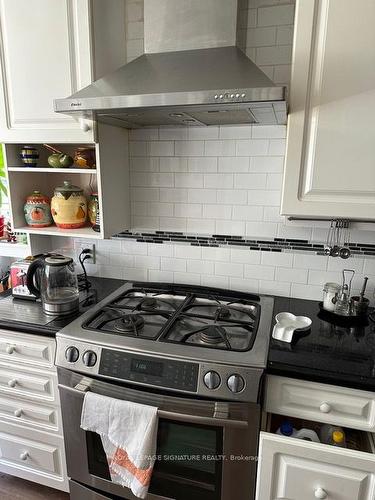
[150, 303]
[130, 323]
[223, 312]
[213, 334]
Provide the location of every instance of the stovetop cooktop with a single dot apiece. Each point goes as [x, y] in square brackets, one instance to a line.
[191, 339]
[211, 320]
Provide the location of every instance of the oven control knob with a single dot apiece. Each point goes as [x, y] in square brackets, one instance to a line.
[71, 354]
[89, 358]
[212, 380]
[236, 383]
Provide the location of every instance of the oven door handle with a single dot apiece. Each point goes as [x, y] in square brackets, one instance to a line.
[81, 388]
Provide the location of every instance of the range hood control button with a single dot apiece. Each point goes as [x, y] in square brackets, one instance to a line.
[236, 383]
[89, 358]
[71, 354]
[212, 380]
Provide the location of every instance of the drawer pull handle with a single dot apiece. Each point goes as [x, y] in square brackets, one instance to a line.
[25, 455]
[18, 413]
[10, 349]
[320, 493]
[12, 383]
[325, 408]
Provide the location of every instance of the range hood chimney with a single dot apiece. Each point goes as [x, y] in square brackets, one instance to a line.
[192, 73]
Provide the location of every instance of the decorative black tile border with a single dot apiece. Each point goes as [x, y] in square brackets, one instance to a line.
[222, 240]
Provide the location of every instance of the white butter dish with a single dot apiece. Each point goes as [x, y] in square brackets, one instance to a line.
[287, 323]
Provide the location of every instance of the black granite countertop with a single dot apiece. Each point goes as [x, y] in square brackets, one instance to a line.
[27, 315]
[329, 353]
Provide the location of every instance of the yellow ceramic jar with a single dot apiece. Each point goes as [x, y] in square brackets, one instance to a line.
[69, 206]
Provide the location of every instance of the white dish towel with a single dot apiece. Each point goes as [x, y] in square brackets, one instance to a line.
[128, 432]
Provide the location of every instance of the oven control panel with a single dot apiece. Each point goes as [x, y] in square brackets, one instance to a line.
[159, 372]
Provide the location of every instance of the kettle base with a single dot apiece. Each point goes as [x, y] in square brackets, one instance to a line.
[61, 309]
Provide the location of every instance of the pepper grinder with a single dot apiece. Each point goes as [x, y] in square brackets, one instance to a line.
[343, 303]
[359, 302]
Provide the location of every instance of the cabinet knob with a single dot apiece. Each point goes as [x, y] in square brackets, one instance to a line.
[320, 493]
[325, 408]
[18, 412]
[10, 349]
[24, 455]
[12, 383]
[85, 126]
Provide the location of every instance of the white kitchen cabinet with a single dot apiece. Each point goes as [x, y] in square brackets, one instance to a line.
[295, 469]
[330, 155]
[50, 49]
[31, 434]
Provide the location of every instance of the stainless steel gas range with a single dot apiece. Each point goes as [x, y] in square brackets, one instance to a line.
[198, 354]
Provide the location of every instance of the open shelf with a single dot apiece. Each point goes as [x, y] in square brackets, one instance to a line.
[83, 232]
[33, 170]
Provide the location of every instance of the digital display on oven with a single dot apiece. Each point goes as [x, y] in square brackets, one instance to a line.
[146, 366]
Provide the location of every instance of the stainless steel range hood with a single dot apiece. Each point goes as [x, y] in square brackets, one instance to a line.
[191, 74]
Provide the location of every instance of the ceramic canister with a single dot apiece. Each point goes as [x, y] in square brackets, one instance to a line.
[85, 158]
[37, 210]
[69, 206]
[29, 155]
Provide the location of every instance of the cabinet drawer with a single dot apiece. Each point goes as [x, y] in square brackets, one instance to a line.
[37, 456]
[30, 383]
[30, 414]
[35, 350]
[294, 469]
[320, 402]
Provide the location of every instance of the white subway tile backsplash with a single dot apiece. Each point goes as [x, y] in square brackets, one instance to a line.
[310, 292]
[151, 179]
[173, 133]
[139, 148]
[200, 266]
[173, 164]
[274, 288]
[143, 164]
[203, 165]
[189, 148]
[170, 264]
[160, 250]
[229, 269]
[250, 181]
[256, 271]
[244, 285]
[264, 198]
[187, 210]
[267, 164]
[284, 35]
[173, 223]
[174, 195]
[276, 15]
[160, 276]
[219, 148]
[276, 147]
[291, 275]
[217, 254]
[217, 211]
[133, 247]
[277, 259]
[218, 181]
[273, 55]
[201, 226]
[188, 252]
[202, 195]
[308, 261]
[147, 261]
[160, 209]
[187, 278]
[236, 131]
[161, 148]
[248, 213]
[251, 147]
[144, 134]
[269, 132]
[120, 259]
[144, 194]
[229, 196]
[261, 229]
[261, 37]
[243, 256]
[189, 180]
[215, 281]
[200, 133]
[274, 181]
[231, 227]
[234, 164]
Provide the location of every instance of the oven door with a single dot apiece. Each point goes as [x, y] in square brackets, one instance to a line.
[206, 449]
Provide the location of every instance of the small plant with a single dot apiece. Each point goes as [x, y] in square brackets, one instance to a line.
[3, 189]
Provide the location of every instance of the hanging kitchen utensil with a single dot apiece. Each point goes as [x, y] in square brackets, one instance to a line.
[335, 251]
[328, 246]
[345, 251]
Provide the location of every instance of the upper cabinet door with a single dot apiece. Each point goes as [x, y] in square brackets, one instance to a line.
[330, 158]
[45, 53]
